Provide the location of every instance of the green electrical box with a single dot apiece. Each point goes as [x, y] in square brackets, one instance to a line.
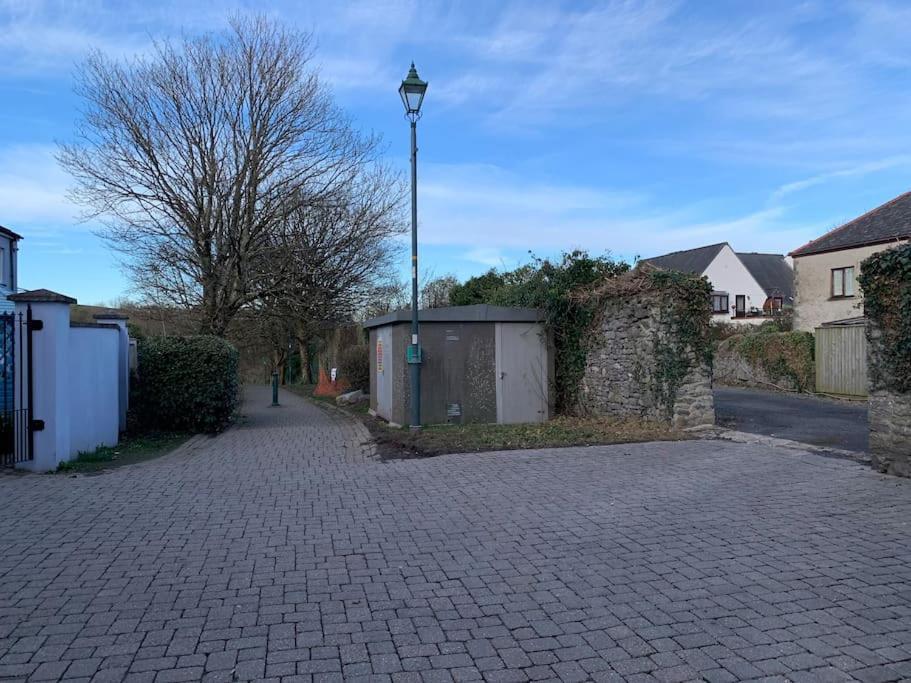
[414, 354]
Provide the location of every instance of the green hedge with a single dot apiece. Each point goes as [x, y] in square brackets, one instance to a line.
[184, 384]
[781, 355]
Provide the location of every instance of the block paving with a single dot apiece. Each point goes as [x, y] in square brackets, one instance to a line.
[284, 550]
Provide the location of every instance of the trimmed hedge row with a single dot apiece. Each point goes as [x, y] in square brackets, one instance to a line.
[184, 384]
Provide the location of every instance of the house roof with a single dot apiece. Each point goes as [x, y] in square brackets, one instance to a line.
[44, 296]
[10, 233]
[478, 313]
[846, 322]
[689, 260]
[887, 223]
[771, 272]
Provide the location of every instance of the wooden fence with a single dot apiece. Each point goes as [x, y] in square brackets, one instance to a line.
[841, 360]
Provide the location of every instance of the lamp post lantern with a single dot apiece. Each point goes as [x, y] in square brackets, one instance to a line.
[412, 91]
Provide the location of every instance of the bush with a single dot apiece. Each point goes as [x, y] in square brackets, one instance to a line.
[184, 384]
[354, 367]
[885, 278]
[781, 355]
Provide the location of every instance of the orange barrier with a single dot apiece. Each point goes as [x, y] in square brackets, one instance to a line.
[326, 387]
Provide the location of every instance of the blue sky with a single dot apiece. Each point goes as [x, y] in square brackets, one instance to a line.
[633, 127]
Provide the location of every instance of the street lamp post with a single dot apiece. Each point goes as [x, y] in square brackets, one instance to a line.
[412, 91]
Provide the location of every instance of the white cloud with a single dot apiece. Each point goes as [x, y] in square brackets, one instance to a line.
[486, 256]
[780, 193]
[486, 211]
[33, 187]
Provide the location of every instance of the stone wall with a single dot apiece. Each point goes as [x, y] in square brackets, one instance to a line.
[890, 432]
[638, 365]
[889, 414]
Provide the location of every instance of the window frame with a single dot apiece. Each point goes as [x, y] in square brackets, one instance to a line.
[726, 308]
[847, 282]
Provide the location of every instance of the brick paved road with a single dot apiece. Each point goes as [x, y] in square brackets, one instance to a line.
[281, 550]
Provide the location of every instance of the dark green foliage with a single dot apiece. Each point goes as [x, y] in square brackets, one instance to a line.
[782, 355]
[550, 286]
[135, 331]
[184, 384]
[354, 367]
[784, 322]
[477, 290]
[885, 279]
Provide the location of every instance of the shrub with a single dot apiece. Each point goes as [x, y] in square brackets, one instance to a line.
[782, 355]
[354, 367]
[184, 384]
[885, 279]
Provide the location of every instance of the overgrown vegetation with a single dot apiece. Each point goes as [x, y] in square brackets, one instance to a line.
[550, 286]
[354, 367]
[781, 355]
[885, 279]
[184, 384]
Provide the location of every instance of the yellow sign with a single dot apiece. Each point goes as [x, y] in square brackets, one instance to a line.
[379, 355]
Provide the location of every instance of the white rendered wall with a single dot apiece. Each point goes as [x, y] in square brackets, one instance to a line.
[50, 380]
[727, 273]
[94, 388]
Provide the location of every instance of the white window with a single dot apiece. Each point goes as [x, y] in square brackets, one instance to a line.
[843, 281]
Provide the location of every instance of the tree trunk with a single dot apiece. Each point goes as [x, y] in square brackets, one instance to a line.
[306, 369]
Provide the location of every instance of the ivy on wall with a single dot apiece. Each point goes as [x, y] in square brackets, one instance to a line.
[572, 293]
[885, 278]
[683, 302]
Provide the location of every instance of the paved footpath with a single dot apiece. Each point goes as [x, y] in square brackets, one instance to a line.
[281, 549]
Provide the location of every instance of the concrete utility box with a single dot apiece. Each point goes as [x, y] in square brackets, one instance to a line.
[480, 364]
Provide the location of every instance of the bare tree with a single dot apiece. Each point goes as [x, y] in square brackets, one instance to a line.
[435, 294]
[199, 157]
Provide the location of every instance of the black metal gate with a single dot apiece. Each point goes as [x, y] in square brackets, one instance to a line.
[16, 427]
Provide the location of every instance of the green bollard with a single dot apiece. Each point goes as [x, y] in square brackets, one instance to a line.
[275, 388]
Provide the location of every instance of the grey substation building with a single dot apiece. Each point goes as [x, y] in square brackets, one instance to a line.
[481, 364]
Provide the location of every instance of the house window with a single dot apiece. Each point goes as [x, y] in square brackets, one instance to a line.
[843, 281]
[719, 303]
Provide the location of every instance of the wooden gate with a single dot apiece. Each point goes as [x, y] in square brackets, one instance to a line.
[841, 359]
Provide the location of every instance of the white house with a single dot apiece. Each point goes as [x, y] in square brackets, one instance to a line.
[9, 251]
[746, 287]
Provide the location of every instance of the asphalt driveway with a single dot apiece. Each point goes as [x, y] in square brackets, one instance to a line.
[283, 550]
[799, 417]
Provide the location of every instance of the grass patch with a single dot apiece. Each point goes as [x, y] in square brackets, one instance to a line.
[396, 443]
[131, 449]
[558, 432]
